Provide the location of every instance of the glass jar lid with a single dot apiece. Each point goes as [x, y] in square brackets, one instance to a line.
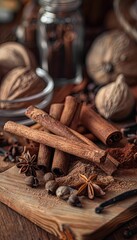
[60, 5]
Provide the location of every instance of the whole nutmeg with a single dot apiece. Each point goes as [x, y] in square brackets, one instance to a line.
[14, 55]
[51, 187]
[115, 101]
[32, 181]
[111, 54]
[63, 192]
[74, 201]
[19, 83]
[48, 176]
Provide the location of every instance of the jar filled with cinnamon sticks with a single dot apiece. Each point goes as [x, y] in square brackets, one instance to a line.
[60, 40]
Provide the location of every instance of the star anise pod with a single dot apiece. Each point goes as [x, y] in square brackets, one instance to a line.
[90, 187]
[27, 164]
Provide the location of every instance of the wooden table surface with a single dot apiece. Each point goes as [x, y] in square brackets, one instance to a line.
[15, 227]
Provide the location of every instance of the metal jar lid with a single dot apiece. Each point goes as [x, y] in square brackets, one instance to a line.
[59, 5]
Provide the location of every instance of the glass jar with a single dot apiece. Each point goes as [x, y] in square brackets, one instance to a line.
[60, 40]
[27, 29]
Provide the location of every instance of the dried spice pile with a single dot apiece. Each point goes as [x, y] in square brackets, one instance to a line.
[127, 156]
[76, 166]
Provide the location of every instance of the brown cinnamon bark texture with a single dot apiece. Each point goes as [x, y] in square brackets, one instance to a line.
[59, 129]
[60, 164]
[55, 126]
[101, 128]
[45, 152]
[49, 123]
[69, 110]
[44, 155]
[90, 136]
[56, 110]
[76, 117]
[109, 165]
[64, 144]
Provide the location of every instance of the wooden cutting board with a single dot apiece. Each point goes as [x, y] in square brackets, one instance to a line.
[57, 217]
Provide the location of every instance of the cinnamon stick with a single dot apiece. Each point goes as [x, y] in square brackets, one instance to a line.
[36, 126]
[56, 110]
[44, 154]
[90, 136]
[50, 123]
[81, 129]
[75, 120]
[69, 110]
[101, 128]
[61, 130]
[64, 144]
[109, 165]
[60, 164]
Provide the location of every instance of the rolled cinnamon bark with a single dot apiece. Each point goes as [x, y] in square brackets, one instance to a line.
[61, 130]
[109, 165]
[101, 128]
[90, 136]
[60, 164]
[49, 123]
[56, 110]
[76, 117]
[44, 155]
[45, 152]
[69, 110]
[36, 126]
[64, 144]
[81, 129]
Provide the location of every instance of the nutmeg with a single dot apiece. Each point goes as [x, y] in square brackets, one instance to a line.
[19, 83]
[63, 192]
[115, 101]
[48, 176]
[32, 181]
[51, 187]
[74, 201]
[111, 54]
[14, 55]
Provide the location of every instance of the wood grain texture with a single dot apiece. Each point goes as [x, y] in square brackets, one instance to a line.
[26, 230]
[56, 216]
[15, 227]
[118, 234]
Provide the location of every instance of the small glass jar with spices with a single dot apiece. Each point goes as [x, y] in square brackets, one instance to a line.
[27, 30]
[60, 40]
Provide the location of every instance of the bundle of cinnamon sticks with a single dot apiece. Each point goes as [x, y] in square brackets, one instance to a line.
[58, 138]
